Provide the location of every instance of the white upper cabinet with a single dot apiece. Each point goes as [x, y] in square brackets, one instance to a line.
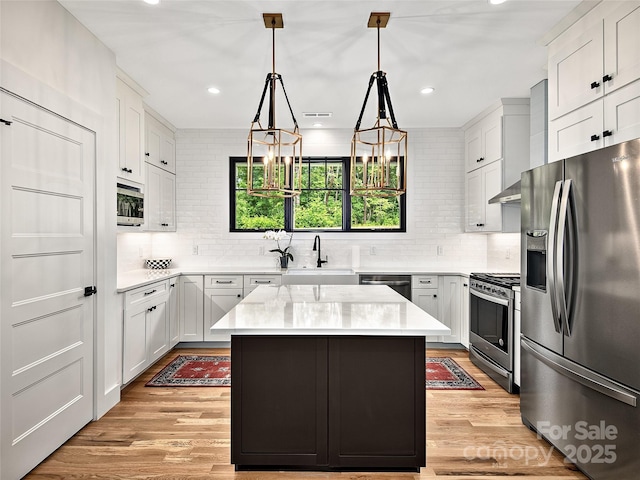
[594, 75]
[160, 144]
[622, 46]
[160, 200]
[130, 133]
[483, 141]
[497, 152]
[575, 73]
[481, 185]
[160, 156]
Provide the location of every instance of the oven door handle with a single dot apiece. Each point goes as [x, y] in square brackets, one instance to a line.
[489, 298]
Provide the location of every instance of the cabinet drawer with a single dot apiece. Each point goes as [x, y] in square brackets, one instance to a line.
[251, 282]
[223, 281]
[424, 281]
[140, 295]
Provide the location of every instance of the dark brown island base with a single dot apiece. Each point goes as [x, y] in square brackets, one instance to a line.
[336, 385]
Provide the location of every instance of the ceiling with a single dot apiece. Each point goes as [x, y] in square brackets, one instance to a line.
[471, 52]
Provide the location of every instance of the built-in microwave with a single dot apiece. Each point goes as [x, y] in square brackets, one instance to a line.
[130, 206]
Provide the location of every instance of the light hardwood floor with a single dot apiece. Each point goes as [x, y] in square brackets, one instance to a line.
[183, 433]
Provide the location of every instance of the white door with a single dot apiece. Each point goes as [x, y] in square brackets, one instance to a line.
[47, 260]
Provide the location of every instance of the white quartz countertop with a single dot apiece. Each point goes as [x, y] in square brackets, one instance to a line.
[141, 277]
[327, 310]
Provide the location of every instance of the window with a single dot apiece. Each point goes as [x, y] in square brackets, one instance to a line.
[323, 205]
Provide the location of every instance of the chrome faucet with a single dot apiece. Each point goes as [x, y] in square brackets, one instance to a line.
[316, 246]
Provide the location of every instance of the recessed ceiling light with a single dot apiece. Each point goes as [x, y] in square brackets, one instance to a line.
[213, 90]
[427, 90]
[317, 124]
[152, 2]
[496, 2]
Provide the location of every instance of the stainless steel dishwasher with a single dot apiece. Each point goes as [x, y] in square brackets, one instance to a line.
[400, 283]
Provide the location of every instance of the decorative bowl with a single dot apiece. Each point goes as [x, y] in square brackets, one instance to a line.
[158, 263]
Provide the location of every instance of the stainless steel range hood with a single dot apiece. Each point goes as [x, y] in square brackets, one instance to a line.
[537, 142]
[508, 195]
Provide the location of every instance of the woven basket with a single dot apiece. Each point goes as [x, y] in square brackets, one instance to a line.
[158, 263]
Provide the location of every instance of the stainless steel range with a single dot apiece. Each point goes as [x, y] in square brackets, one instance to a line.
[491, 334]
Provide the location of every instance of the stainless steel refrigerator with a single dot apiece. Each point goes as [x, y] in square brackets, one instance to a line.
[580, 343]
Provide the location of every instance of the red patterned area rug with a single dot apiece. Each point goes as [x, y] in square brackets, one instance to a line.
[194, 371]
[442, 373]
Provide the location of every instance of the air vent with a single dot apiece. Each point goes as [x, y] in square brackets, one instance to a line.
[317, 114]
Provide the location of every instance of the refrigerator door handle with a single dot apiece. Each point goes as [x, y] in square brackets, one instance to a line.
[551, 256]
[561, 287]
[579, 374]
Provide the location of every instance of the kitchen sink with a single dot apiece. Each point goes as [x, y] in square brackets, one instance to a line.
[320, 276]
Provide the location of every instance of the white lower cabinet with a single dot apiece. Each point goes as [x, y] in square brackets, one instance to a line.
[424, 293]
[450, 287]
[191, 308]
[251, 282]
[221, 294]
[174, 312]
[443, 297]
[146, 328]
[464, 315]
[205, 299]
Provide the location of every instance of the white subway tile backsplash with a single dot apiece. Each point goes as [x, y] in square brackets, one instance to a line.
[435, 209]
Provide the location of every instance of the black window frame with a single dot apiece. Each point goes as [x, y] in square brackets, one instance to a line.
[288, 202]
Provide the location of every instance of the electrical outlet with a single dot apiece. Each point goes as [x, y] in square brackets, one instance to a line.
[195, 249]
[439, 250]
[373, 250]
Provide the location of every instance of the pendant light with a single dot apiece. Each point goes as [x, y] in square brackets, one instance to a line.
[379, 153]
[274, 155]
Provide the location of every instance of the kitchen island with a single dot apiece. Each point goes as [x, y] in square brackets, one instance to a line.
[328, 377]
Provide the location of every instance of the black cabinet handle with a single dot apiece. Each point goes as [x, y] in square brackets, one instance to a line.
[479, 224]
[164, 224]
[147, 154]
[91, 290]
[595, 85]
[149, 293]
[172, 285]
[595, 137]
[151, 309]
[163, 162]
[607, 78]
[128, 170]
[480, 160]
[6, 122]
[607, 133]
